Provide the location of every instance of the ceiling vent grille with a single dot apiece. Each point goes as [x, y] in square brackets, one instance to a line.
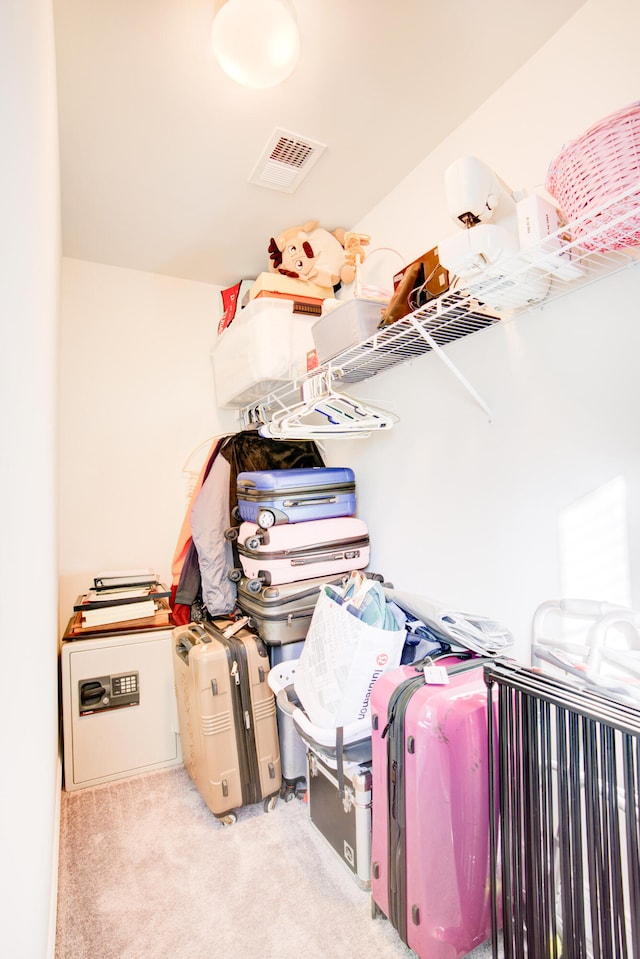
[286, 161]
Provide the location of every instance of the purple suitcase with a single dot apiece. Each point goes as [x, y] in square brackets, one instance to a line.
[430, 850]
[296, 551]
[272, 497]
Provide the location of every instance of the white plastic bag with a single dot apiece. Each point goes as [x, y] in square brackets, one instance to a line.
[343, 655]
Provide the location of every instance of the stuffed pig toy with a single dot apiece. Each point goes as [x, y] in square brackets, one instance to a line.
[311, 253]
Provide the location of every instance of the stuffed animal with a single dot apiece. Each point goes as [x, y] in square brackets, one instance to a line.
[312, 253]
[354, 244]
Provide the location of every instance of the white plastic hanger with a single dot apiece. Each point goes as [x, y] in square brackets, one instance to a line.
[252, 418]
[326, 412]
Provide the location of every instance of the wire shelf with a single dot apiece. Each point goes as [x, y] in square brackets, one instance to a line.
[559, 263]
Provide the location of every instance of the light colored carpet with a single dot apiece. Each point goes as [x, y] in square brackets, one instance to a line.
[146, 872]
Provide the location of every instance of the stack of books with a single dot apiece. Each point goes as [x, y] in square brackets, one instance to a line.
[123, 599]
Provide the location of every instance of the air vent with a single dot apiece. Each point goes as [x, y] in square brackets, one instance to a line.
[286, 161]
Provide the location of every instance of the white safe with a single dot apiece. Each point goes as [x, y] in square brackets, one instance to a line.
[119, 708]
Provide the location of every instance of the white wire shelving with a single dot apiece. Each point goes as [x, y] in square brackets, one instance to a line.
[563, 262]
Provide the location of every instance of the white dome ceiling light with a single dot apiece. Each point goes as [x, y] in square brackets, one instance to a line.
[256, 42]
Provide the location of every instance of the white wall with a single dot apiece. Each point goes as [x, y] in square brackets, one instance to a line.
[29, 287]
[136, 398]
[459, 508]
[136, 390]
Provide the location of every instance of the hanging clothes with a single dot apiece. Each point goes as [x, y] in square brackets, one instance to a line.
[185, 556]
[211, 513]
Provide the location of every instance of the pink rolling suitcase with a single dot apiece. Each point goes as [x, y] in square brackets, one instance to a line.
[296, 551]
[430, 847]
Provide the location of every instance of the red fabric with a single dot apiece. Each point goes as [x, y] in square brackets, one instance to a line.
[180, 614]
[230, 304]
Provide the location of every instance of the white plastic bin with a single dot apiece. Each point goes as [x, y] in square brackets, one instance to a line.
[346, 325]
[265, 346]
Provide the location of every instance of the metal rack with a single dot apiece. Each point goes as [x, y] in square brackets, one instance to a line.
[565, 836]
[559, 258]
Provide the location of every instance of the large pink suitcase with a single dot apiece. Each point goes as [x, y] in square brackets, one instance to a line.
[430, 852]
[296, 551]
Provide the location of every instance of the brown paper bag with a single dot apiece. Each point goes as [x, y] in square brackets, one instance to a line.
[421, 281]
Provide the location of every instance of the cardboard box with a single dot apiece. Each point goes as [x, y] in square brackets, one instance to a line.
[539, 226]
[276, 283]
[419, 282]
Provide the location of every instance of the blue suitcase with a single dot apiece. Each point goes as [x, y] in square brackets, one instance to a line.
[273, 497]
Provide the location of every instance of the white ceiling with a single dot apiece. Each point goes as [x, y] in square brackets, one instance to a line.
[157, 145]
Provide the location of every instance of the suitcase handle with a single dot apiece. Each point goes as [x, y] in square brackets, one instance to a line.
[234, 628]
[202, 634]
[463, 655]
[193, 634]
[183, 648]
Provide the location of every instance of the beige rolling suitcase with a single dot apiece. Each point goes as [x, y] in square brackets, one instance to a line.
[227, 715]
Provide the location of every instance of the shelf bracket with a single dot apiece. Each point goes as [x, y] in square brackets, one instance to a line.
[451, 366]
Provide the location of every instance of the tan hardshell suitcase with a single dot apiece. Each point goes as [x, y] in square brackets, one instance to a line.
[227, 715]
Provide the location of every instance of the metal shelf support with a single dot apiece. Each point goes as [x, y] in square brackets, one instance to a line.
[451, 366]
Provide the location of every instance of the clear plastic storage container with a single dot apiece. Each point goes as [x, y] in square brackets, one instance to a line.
[264, 347]
[345, 326]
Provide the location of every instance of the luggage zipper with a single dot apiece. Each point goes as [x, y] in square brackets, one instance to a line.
[326, 494]
[268, 616]
[303, 555]
[253, 786]
[394, 731]
[247, 761]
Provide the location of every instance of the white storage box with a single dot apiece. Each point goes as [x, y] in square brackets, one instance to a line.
[265, 346]
[346, 325]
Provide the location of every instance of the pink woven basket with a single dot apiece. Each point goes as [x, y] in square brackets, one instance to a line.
[595, 181]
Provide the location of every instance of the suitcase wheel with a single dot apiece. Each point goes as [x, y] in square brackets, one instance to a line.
[235, 514]
[270, 803]
[376, 911]
[235, 575]
[293, 789]
[254, 585]
[231, 534]
[266, 518]
[229, 819]
[254, 541]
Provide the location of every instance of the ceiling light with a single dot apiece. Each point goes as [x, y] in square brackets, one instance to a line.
[256, 42]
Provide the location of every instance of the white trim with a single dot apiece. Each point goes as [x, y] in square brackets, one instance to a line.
[55, 858]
